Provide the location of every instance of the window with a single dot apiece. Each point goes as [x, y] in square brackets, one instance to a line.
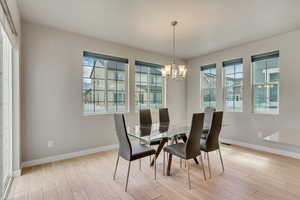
[149, 86]
[104, 83]
[208, 86]
[266, 77]
[233, 85]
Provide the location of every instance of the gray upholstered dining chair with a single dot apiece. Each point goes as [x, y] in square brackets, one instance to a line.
[164, 116]
[164, 120]
[128, 151]
[191, 148]
[145, 127]
[146, 123]
[211, 143]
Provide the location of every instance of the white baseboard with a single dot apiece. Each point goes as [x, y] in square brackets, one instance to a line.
[114, 146]
[17, 173]
[68, 155]
[262, 148]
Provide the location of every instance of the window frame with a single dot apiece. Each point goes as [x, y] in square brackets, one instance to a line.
[266, 57]
[202, 68]
[106, 79]
[163, 83]
[233, 62]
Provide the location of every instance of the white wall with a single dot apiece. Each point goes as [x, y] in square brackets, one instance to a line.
[52, 101]
[246, 126]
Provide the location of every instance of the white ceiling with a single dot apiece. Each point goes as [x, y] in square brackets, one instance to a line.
[204, 25]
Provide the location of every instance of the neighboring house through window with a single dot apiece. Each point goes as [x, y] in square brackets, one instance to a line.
[208, 86]
[233, 85]
[149, 86]
[104, 83]
[266, 76]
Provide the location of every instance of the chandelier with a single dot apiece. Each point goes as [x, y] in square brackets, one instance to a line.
[172, 70]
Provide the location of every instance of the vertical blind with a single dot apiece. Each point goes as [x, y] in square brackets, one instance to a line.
[6, 110]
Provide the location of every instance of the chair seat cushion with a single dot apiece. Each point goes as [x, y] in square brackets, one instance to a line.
[141, 151]
[176, 149]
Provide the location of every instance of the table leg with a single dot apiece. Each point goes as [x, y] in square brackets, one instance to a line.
[169, 165]
[196, 161]
[159, 148]
[184, 138]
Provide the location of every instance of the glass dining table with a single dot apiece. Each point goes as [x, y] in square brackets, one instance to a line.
[160, 133]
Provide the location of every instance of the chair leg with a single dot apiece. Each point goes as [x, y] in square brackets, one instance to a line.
[164, 155]
[154, 168]
[208, 162]
[140, 164]
[127, 176]
[140, 161]
[116, 167]
[221, 159]
[188, 171]
[180, 163]
[201, 160]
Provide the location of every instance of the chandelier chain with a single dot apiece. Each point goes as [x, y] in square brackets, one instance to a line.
[174, 43]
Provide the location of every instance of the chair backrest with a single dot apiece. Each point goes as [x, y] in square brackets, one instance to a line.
[208, 115]
[145, 130]
[192, 146]
[145, 117]
[212, 141]
[125, 150]
[164, 127]
[164, 115]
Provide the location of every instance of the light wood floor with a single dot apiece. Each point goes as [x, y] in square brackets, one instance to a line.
[248, 175]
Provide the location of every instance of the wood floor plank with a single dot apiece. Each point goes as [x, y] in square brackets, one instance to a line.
[248, 175]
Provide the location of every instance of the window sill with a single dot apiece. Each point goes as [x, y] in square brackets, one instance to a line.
[102, 114]
[152, 110]
[264, 113]
[232, 111]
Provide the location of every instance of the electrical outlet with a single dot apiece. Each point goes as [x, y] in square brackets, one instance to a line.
[51, 143]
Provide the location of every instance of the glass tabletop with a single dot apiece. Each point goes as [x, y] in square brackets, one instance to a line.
[158, 131]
